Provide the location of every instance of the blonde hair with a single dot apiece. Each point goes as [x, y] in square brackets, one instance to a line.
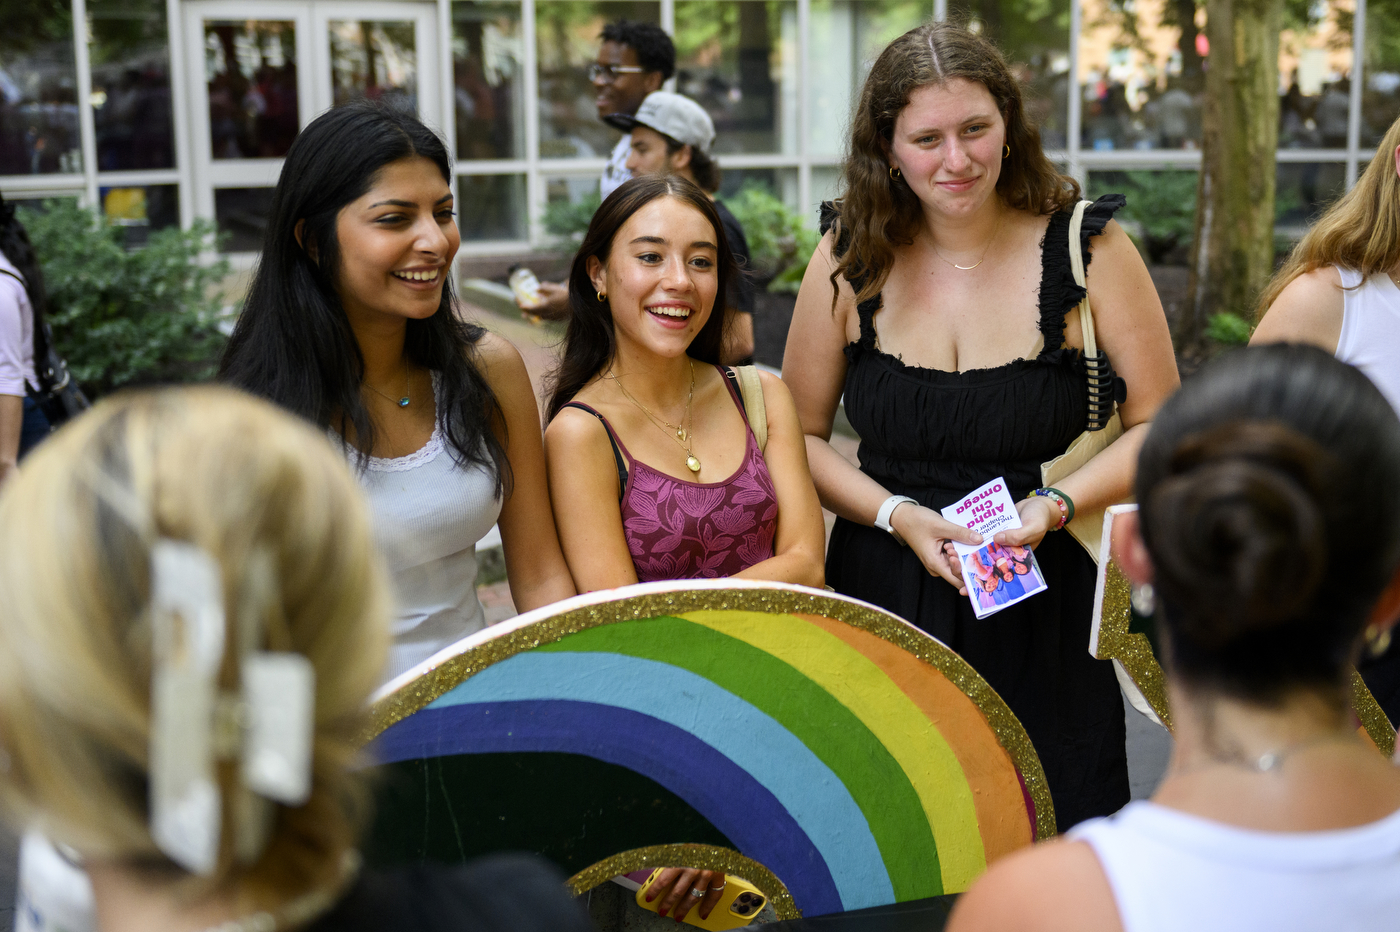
[277, 509]
[1361, 231]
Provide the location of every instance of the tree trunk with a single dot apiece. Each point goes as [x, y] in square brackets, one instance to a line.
[1234, 245]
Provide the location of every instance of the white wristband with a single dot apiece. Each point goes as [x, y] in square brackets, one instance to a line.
[887, 507]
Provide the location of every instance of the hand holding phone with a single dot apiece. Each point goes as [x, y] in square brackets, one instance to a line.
[726, 903]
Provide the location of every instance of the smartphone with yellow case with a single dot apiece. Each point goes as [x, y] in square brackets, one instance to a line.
[740, 903]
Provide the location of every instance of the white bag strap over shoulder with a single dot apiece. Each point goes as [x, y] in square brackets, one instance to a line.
[1076, 265]
[751, 390]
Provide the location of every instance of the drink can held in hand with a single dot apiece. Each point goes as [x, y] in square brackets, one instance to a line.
[525, 285]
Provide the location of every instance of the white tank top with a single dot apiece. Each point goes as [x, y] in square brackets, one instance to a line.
[1370, 338]
[1171, 871]
[428, 514]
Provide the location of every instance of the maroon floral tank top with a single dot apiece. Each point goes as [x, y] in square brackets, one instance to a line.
[696, 530]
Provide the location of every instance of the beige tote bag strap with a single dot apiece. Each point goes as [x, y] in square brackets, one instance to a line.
[1076, 265]
[751, 389]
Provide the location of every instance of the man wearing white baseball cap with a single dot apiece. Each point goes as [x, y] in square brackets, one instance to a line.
[672, 134]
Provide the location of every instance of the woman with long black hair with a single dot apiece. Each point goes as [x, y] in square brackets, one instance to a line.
[22, 301]
[349, 322]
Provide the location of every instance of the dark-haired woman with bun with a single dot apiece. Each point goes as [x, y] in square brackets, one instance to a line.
[1269, 531]
[350, 323]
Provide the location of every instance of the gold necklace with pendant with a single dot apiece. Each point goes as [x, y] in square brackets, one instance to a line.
[676, 432]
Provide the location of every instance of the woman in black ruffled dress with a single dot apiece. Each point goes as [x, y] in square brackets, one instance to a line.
[936, 304]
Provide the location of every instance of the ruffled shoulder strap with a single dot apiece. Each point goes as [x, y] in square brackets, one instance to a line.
[1059, 293]
[827, 215]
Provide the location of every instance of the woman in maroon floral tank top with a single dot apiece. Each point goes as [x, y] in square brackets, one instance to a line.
[653, 468]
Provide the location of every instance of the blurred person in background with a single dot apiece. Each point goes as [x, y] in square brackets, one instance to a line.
[1338, 291]
[939, 313]
[22, 422]
[634, 59]
[672, 134]
[349, 322]
[1268, 532]
[180, 569]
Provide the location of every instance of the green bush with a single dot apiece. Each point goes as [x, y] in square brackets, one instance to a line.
[779, 244]
[565, 218]
[1163, 205]
[1229, 329]
[120, 317]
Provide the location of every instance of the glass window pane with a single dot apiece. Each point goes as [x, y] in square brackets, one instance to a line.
[1034, 37]
[131, 85]
[493, 207]
[846, 38]
[242, 214]
[141, 211]
[487, 57]
[374, 59]
[38, 89]
[251, 67]
[1141, 75]
[826, 186]
[1380, 99]
[780, 182]
[738, 58]
[1161, 211]
[570, 201]
[566, 34]
[1314, 68]
[1304, 190]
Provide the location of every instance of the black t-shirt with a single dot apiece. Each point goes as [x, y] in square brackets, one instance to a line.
[740, 292]
[502, 893]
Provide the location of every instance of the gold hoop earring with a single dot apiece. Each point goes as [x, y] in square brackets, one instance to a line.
[1377, 642]
[1005, 152]
[602, 297]
[895, 173]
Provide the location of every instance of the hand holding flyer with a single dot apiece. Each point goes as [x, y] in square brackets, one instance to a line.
[996, 575]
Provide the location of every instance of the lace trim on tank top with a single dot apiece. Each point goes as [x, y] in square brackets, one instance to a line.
[419, 457]
[1059, 293]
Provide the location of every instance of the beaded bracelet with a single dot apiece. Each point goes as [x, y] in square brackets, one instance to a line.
[1061, 499]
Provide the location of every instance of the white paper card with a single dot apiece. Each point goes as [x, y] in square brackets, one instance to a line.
[279, 696]
[995, 575]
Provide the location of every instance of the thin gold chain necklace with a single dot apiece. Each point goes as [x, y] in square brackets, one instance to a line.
[676, 432]
[401, 402]
[985, 250]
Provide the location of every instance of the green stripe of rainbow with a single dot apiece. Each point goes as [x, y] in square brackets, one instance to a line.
[874, 714]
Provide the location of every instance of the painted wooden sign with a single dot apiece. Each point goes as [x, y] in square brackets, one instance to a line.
[812, 736]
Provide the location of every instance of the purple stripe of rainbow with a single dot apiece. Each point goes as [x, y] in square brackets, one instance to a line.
[734, 802]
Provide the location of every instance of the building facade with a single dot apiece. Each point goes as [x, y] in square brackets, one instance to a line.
[164, 111]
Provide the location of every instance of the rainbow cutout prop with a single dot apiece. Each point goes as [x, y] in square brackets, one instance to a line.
[1119, 634]
[859, 760]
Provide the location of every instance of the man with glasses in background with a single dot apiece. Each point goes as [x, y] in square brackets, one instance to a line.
[634, 59]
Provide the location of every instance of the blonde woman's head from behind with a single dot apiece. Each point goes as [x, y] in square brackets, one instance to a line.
[281, 516]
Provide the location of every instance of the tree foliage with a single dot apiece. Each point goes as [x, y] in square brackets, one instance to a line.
[123, 317]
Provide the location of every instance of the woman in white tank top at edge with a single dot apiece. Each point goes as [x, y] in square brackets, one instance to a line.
[1269, 529]
[349, 322]
[1338, 288]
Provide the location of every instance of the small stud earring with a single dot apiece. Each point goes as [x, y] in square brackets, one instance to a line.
[602, 297]
[1006, 152]
[1377, 641]
[1144, 600]
[894, 172]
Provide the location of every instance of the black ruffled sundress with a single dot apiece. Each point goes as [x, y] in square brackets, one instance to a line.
[934, 435]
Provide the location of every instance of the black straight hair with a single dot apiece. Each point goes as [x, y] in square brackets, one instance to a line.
[293, 344]
[1270, 508]
[590, 342]
[15, 244]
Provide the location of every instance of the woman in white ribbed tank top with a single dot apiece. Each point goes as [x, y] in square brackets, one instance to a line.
[1269, 530]
[350, 323]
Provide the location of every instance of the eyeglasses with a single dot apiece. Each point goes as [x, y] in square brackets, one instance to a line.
[609, 73]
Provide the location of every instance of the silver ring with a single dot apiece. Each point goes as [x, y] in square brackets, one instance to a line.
[697, 892]
[720, 887]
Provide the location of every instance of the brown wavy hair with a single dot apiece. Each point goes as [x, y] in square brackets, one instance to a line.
[877, 212]
[1361, 231]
